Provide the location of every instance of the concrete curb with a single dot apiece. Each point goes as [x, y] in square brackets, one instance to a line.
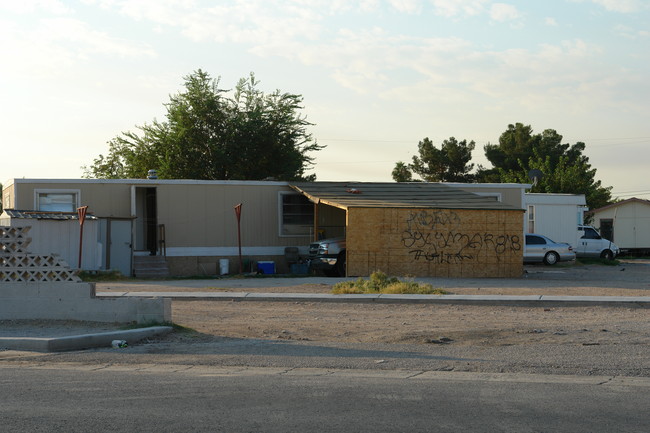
[521, 300]
[78, 342]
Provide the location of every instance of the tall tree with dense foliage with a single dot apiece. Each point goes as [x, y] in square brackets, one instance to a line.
[210, 135]
[449, 163]
[565, 168]
[402, 173]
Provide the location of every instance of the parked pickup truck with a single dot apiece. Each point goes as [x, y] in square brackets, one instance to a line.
[591, 244]
[328, 255]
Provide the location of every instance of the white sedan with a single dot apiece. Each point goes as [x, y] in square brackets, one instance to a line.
[540, 249]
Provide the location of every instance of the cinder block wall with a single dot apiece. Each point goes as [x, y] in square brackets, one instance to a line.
[77, 301]
[435, 242]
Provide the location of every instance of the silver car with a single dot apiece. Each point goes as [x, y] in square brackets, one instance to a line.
[540, 249]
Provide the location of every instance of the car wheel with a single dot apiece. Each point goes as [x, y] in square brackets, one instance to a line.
[551, 258]
[607, 255]
[340, 265]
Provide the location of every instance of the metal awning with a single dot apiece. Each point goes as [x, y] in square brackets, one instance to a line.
[45, 215]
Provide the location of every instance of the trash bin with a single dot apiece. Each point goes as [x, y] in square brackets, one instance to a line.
[224, 265]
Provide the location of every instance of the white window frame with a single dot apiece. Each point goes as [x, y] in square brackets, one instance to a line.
[530, 219]
[40, 191]
[281, 195]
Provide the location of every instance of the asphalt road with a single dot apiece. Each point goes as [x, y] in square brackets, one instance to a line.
[62, 398]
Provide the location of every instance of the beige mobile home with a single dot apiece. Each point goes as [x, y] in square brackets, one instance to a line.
[627, 223]
[191, 223]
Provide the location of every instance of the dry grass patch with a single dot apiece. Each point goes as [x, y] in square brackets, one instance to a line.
[379, 282]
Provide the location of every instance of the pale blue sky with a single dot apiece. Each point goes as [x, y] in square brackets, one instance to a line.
[376, 76]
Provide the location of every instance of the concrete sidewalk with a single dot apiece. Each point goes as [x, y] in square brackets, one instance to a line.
[81, 341]
[504, 300]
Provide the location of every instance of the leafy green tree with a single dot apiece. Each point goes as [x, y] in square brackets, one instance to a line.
[209, 135]
[566, 169]
[450, 163]
[402, 173]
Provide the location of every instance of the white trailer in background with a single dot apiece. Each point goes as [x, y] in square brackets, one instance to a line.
[560, 217]
[556, 216]
[627, 223]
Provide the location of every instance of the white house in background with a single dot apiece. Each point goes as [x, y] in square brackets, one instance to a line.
[555, 216]
[627, 223]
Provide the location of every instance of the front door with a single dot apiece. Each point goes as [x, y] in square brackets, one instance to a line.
[607, 229]
[146, 223]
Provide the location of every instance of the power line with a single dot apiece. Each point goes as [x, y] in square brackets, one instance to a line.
[642, 140]
[640, 193]
[634, 191]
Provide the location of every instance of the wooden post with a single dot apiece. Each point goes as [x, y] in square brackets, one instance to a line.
[315, 222]
[238, 214]
[81, 211]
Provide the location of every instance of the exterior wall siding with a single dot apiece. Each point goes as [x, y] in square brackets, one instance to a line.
[204, 216]
[558, 222]
[103, 199]
[435, 242]
[508, 194]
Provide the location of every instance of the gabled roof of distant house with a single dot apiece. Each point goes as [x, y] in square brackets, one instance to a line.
[621, 203]
[347, 195]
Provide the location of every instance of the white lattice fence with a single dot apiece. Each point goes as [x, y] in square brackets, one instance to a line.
[17, 265]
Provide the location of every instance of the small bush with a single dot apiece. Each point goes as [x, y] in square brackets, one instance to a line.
[379, 282]
[101, 276]
[596, 261]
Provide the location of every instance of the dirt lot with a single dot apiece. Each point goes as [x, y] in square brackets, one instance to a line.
[491, 339]
[428, 324]
[404, 323]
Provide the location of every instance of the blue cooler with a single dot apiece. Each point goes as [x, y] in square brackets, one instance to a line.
[266, 267]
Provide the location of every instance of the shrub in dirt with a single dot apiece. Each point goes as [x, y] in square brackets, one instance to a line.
[379, 282]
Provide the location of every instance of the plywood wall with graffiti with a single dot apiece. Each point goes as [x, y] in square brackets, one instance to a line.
[435, 242]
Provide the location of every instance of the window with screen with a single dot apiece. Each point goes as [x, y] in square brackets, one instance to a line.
[57, 201]
[296, 215]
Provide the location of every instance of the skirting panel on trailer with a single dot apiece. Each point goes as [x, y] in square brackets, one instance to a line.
[435, 242]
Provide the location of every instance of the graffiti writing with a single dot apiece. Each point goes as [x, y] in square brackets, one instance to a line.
[426, 220]
[457, 247]
[435, 237]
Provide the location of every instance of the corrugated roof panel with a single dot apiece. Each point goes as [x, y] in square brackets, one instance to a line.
[393, 194]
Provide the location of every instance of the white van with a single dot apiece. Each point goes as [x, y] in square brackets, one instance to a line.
[591, 244]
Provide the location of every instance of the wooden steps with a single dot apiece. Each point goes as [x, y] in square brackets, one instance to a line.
[150, 267]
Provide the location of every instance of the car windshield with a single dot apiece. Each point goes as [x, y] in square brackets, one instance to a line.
[591, 234]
